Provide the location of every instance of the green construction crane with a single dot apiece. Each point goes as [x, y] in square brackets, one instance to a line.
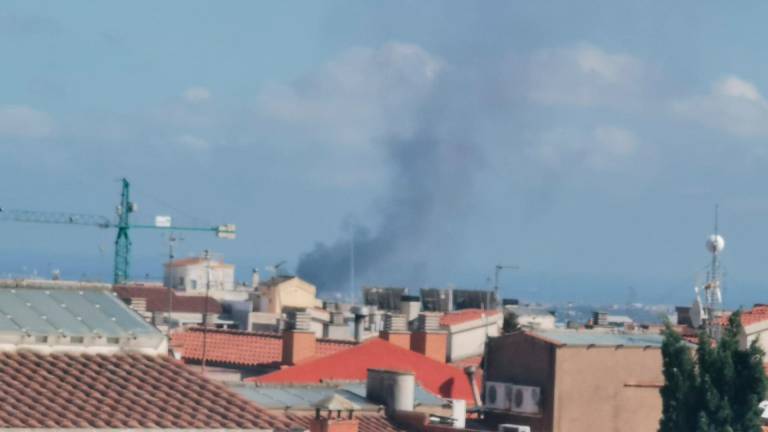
[123, 225]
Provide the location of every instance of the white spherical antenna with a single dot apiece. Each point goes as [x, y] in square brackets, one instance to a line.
[715, 243]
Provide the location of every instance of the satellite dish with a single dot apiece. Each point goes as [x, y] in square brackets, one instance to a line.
[715, 243]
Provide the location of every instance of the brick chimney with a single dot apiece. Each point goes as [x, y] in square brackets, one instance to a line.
[298, 340]
[429, 339]
[334, 414]
[396, 330]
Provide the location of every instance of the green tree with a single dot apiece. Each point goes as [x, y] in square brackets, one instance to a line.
[719, 389]
[510, 322]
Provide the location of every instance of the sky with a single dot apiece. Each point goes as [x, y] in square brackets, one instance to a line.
[586, 143]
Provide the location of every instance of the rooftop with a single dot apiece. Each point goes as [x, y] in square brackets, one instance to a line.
[465, 315]
[596, 338]
[58, 391]
[159, 298]
[353, 364]
[305, 397]
[49, 318]
[183, 262]
[242, 348]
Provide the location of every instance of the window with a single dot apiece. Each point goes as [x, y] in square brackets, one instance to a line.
[76, 339]
[41, 339]
[181, 282]
[113, 340]
[194, 284]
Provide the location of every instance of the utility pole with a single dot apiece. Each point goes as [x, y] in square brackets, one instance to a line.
[205, 304]
[499, 268]
[172, 239]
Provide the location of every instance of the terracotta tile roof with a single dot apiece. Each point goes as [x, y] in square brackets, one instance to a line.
[157, 299]
[58, 391]
[241, 348]
[353, 364]
[367, 422]
[465, 315]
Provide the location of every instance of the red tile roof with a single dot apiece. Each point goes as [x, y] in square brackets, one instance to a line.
[465, 315]
[353, 364]
[759, 313]
[157, 299]
[58, 391]
[367, 422]
[241, 348]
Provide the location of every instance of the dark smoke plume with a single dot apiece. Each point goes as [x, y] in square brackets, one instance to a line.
[431, 177]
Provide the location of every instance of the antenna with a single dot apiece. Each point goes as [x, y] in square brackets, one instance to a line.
[352, 265]
[499, 268]
[713, 297]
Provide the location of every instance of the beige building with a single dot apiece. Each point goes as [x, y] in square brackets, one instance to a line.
[574, 381]
[286, 291]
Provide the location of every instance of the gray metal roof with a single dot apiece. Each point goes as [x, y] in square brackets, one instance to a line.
[306, 397]
[600, 338]
[68, 312]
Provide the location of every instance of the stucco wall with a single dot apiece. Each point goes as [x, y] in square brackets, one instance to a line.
[523, 360]
[607, 389]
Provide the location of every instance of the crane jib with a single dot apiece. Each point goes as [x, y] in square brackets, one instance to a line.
[123, 225]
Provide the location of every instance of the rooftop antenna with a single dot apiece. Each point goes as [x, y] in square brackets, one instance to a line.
[352, 266]
[713, 297]
[172, 239]
[207, 256]
[499, 268]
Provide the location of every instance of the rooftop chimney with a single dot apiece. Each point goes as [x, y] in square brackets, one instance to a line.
[410, 306]
[393, 389]
[429, 339]
[360, 313]
[334, 414]
[396, 330]
[298, 340]
[471, 372]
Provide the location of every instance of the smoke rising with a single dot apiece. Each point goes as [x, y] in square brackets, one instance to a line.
[431, 173]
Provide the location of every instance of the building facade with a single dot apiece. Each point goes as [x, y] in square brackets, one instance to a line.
[574, 381]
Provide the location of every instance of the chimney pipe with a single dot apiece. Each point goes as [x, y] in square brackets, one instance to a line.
[393, 389]
[360, 312]
[471, 371]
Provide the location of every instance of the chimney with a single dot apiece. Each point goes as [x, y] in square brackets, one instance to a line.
[410, 306]
[298, 340]
[394, 389]
[471, 372]
[334, 414]
[429, 339]
[396, 330]
[360, 313]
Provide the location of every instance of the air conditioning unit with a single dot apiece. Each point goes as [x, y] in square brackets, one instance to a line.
[496, 395]
[513, 428]
[524, 399]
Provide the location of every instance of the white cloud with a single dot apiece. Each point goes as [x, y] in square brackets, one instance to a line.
[584, 75]
[196, 94]
[602, 148]
[733, 105]
[192, 142]
[361, 95]
[18, 121]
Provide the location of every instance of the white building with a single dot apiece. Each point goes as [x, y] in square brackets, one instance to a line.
[468, 331]
[190, 276]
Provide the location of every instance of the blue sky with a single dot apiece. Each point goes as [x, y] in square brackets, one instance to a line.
[587, 143]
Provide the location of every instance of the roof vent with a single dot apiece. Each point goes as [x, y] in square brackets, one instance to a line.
[395, 323]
